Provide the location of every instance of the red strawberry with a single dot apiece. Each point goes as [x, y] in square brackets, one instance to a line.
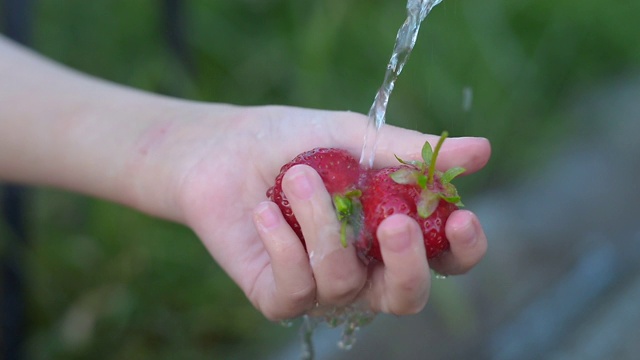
[415, 189]
[340, 173]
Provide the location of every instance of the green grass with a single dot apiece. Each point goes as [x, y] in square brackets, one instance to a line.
[107, 282]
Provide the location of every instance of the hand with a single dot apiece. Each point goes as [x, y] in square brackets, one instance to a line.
[232, 162]
[209, 166]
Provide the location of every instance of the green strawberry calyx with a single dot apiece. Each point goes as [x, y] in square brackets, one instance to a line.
[424, 174]
[346, 209]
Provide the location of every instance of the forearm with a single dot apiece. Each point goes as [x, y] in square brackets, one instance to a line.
[64, 129]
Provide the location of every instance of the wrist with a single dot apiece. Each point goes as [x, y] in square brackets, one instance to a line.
[166, 155]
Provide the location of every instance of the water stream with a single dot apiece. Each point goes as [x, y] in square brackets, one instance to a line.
[417, 11]
[352, 317]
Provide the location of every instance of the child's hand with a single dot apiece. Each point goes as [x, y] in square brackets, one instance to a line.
[223, 200]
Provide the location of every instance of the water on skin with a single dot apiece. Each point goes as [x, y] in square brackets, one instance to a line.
[354, 316]
[417, 11]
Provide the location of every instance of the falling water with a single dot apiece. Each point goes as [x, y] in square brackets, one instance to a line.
[354, 316]
[417, 11]
[350, 317]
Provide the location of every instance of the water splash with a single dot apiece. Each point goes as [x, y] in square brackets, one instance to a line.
[351, 318]
[417, 11]
[355, 319]
[307, 328]
[286, 323]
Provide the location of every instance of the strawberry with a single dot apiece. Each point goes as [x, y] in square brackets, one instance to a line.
[415, 189]
[340, 173]
[364, 198]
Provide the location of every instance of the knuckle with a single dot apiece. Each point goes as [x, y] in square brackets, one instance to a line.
[275, 314]
[340, 290]
[300, 298]
[282, 306]
[288, 306]
[411, 283]
[415, 308]
[408, 306]
[409, 296]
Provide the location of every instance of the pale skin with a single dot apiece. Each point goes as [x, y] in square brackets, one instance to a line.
[208, 167]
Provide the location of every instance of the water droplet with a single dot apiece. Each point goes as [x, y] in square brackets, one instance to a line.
[309, 325]
[286, 323]
[438, 275]
[467, 98]
[348, 337]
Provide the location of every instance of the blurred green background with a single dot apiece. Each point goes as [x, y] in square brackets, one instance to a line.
[107, 282]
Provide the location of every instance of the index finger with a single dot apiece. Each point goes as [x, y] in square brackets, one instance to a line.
[471, 153]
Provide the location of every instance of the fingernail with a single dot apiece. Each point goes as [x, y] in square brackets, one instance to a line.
[300, 185]
[266, 217]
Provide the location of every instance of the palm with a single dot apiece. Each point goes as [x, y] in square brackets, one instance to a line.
[251, 161]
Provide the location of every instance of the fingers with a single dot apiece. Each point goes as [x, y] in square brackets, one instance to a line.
[284, 289]
[402, 285]
[333, 275]
[470, 153]
[468, 244]
[339, 275]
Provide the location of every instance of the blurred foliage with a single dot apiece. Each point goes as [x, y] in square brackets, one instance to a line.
[106, 282]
